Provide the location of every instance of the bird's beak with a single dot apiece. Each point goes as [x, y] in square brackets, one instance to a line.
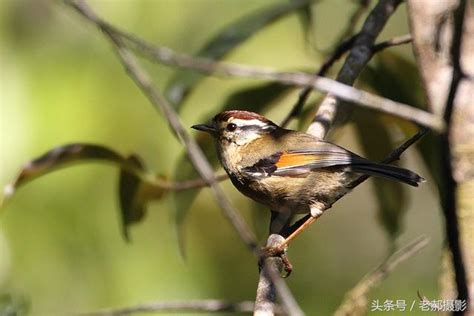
[205, 128]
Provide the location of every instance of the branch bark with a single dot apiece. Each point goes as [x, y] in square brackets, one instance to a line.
[195, 154]
[340, 50]
[337, 89]
[179, 306]
[355, 301]
[443, 40]
[331, 111]
[362, 49]
[167, 56]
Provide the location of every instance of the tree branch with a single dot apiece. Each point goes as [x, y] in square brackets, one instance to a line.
[179, 306]
[355, 301]
[393, 156]
[340, 50]
[330, 111]
[362, 51]
[443, 40]
[395, 41]
[342, 91]
[195, 154]
[270, 280]
[186, 184]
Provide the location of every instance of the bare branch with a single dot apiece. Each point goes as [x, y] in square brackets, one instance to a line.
[330, 111]
[186, 184]
[179, 306]
[394, 155]
[363, 49]
[167, 56]
[340, 50]
[443, 40]
[266, 293]
[195, 154]
[336, 89]
[395, 41]
[269, 280]
[355, 301]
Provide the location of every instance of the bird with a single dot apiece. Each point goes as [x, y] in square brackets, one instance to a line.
[290, 172]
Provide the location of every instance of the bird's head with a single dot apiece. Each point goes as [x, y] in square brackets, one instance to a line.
[238, 127]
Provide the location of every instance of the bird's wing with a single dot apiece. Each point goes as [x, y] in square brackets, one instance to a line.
[296, 163]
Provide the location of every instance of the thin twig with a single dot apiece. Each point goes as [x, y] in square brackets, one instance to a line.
[395, 41]
[340, 90]
[186, 184]
[187, 306]
[195, 154]
[340, 50]
[330, 111]
[394, 155]
[144, 82]
[362, 51]
[355, 301]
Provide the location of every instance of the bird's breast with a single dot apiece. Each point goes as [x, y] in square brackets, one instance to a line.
[294, 194]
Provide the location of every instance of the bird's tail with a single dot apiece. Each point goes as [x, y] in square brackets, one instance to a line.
[388, 171]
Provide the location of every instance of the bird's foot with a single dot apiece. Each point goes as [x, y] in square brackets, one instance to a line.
[277, 252]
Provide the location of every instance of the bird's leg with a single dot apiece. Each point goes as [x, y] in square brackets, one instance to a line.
[298, 228]
[279, 225]
[279, 222]
[293, 231]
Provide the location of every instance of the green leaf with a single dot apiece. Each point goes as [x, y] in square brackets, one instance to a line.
[226, 40]
[61, 157]
[135, 184]
[131, 208]
[376, 141]
[134, 194]
[14, 304]
[306, 18]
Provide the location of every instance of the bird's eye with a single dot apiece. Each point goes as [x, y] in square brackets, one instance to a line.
[231, 127]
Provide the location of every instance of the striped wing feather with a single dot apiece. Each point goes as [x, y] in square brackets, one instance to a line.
[297, 163]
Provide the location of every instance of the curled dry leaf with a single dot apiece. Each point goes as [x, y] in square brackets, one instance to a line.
[136, 184]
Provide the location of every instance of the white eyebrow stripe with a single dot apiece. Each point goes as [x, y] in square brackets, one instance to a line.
[240, 122]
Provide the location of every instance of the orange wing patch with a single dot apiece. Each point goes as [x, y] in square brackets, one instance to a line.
[298, 159]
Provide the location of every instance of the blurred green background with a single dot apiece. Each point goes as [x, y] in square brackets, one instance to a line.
[61, 248]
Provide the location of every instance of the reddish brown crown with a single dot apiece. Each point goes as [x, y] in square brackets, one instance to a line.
[242, 115]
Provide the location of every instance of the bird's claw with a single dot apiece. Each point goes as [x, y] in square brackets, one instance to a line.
[277, 252]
